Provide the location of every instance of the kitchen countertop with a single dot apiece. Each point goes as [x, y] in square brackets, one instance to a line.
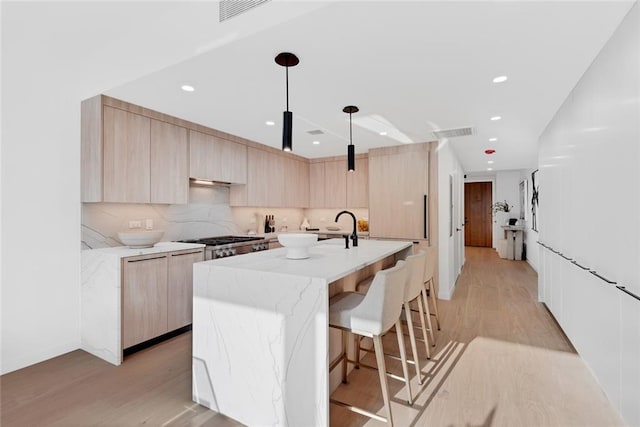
[271, 236]
[125, 251]
[260, 323]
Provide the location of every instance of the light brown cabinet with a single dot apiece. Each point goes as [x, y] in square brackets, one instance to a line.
[169, 164]
[358, 184]
[216, 159]
[127, 147]
[157, 294]
[131, 158]
[180, 289]
[273, 180]
[335, 184]
[332, 186]
[144, 298]
[398, 192]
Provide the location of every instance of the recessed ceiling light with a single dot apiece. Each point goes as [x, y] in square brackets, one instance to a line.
[493, 139]
[489, 169]
[383, 133]
[500, 79]
[187, 88]
[316, 142]
[490, 162]
[269, 123]
[494, 118]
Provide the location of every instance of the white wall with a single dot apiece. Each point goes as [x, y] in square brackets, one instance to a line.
[590, 210]
[49, 65]
[450, 248]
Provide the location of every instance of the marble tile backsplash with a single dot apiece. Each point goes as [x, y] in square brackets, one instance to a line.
[207, 215]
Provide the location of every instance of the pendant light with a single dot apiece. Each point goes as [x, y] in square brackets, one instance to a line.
[351, 155]
[287, 59]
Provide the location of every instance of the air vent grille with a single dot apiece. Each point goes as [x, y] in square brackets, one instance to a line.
[315, 132]
[231, 8]
[452, 133]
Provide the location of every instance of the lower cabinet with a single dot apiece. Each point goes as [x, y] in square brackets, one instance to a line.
[156, 294]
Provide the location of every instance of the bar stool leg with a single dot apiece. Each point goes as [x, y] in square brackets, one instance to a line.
[382, 371]
[428, 316]
[412, 340]
[403, 357]
[424, 328]
[344, 356]
[434, 299]
[357, 351]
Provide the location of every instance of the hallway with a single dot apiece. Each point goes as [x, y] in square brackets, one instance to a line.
[500, 360]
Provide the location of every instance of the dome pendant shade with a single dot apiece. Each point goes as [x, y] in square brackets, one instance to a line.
[287, 130]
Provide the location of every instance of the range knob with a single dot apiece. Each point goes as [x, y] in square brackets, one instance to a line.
[219, 254]
[232, 251]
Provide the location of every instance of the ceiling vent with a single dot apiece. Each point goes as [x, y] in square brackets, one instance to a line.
[231, 8]
[315, 132]
[453, 133]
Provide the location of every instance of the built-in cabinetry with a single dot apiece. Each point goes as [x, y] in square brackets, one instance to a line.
[216, 159]
[273, 180]
[157, 294]
[398, 192]
[332, 186]
[131, 158]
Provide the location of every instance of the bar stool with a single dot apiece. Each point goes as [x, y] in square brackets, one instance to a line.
[372, 315]
[429, 286]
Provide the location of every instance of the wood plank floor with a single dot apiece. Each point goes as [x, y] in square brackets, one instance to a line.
[500, 360]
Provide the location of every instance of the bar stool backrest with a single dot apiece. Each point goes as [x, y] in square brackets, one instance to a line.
[430, 263]
[415, 275]
[381, 306]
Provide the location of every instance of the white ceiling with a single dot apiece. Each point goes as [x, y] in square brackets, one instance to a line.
[422, 66]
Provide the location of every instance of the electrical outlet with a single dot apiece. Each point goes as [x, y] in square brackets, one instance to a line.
[148, 224]
[135, 224]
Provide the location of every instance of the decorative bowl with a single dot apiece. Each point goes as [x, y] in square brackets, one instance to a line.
[140, 238]
[297, 244]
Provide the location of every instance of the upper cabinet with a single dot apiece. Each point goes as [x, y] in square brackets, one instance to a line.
[131, 158]
[399, 192]
[216, 159]
[332, 186]
[273, 180]
[358, 184]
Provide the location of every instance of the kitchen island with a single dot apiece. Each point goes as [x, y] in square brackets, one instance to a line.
[260, 329]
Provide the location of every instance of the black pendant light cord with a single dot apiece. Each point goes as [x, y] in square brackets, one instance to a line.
[350, 131]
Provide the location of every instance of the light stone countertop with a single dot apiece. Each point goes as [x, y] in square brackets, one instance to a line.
[125, 251]
[328, 259]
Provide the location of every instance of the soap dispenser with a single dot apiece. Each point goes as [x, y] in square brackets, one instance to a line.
[305, 224]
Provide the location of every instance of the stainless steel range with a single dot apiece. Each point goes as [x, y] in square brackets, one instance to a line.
[225, 246]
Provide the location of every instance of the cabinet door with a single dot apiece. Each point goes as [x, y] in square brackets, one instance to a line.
[216, 159]
[316, 185]
[398, 183]
[144, 299]
[169, 163]
[126, 156]
[265, 178]
[296, 183]
[335, 184]
[358, 185]
[180, 288]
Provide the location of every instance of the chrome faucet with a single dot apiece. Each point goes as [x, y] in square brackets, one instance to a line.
[354, 235]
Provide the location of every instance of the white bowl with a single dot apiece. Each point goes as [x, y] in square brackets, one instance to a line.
[141, 238]
[297, 244]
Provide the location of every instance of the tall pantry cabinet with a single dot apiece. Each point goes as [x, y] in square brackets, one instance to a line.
[399, 192]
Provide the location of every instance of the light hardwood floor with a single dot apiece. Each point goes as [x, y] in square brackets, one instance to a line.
[500, 360]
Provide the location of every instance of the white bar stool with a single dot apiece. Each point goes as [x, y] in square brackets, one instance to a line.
[372, 315]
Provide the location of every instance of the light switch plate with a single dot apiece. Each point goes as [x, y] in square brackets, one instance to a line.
[148, 224]
[135, 224]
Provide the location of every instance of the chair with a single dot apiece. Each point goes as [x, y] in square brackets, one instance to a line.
[372, 315]
[429, 288]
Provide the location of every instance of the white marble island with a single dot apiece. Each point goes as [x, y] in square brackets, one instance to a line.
[260, 330]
